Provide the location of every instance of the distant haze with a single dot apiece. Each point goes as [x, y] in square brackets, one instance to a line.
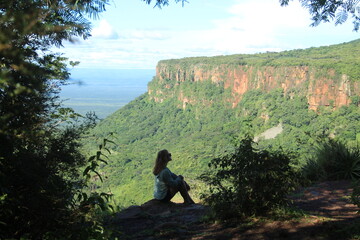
[104, 90]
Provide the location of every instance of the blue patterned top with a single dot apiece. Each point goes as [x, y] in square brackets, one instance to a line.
[163, 181]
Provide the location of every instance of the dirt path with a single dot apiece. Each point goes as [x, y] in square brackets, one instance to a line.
[327, 199]
[328, 214]
[327, 206]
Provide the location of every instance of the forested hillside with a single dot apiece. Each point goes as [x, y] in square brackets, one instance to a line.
[194, 108]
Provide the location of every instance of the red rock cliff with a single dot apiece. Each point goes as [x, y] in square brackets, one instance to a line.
[321, 87]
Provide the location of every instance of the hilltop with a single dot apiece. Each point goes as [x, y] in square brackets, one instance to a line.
[325, 76]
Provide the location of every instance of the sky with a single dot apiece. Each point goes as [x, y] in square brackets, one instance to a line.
[134, 35]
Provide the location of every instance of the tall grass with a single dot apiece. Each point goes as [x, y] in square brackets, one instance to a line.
[334, 160]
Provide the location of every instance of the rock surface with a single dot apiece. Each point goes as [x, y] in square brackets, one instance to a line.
[329, 213]
[155, 219]
[320, 87]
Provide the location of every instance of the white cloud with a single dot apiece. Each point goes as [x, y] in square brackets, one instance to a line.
[144, 34]
[104, 30]
[269, 14]
[263, 25]
[249, 27]
[256, 25]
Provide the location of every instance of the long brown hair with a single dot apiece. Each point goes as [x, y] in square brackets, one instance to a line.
[161, 161]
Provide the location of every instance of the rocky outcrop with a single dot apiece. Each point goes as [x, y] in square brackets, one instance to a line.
[157, 220]
[322, 201]
[322, 87]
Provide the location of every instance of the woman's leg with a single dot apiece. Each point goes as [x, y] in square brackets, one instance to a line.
[183, 189]
[187, 186]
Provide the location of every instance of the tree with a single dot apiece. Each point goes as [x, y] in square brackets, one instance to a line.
[160, 3]
[39, 160]
[329, 10]
[320, 10]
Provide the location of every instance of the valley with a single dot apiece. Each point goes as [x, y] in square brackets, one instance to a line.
[198, 108]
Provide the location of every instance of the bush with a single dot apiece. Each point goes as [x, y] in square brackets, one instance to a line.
[333, 160]
[43, 194]
[355, 196]
[248, 182]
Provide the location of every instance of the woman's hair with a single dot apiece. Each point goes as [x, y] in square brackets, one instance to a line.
[161, 161]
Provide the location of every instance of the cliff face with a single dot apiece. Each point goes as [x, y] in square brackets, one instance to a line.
[321, 87]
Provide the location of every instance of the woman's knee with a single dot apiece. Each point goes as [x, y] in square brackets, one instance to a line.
[173, 190]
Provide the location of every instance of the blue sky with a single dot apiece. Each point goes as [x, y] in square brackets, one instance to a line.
[132, 34]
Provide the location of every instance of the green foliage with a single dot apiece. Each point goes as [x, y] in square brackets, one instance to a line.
[355, 100]
[343, 58]
[39, 140]
[320, 10]
[248, 182]
[39, 183]
[326, 11]
[87, 205]
[95, 199]
[161, 3]
[333, 161]
[355, 196]
[196, 120]
[202, 131]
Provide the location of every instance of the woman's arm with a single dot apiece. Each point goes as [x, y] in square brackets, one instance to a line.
[168, 177]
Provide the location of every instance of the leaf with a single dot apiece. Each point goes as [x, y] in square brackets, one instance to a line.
[79, 198]
[111, 207]
[98, 174]
[103, 161]
[86, 171]
[91, 158]
[341, 17]
[84, 196]
[104, 156]
[94, 165]
[107, 140]
[108, 150]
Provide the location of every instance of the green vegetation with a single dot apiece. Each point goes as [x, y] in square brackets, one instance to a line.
[203, 129]
[319, 10]
[326, 11]
[46, 184]
[343, 58]
[42, 192]
[333, 161]
[161, 3]
[50, 190]
[355, 197]
[248, 182]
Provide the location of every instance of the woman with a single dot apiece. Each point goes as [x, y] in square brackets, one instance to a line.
[167, 184]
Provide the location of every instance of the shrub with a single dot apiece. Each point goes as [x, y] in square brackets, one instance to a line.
[333, 160]
[355, 196]
[248, 182]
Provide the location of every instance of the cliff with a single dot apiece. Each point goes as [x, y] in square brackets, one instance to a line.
[325, 80]
[225, 98]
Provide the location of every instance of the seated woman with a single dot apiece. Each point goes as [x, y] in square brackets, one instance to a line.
[167, 184]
